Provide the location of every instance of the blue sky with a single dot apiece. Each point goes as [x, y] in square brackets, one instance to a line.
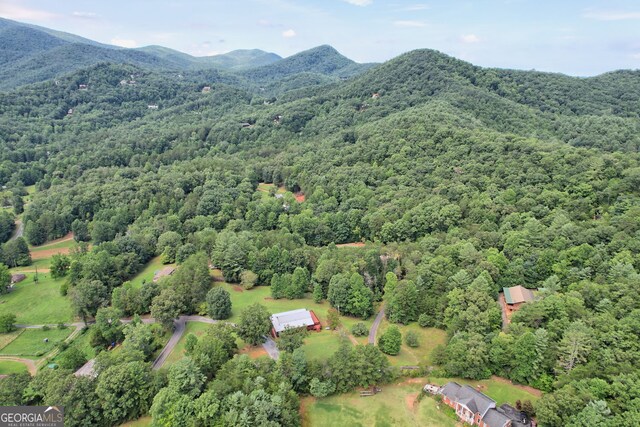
[575, 37]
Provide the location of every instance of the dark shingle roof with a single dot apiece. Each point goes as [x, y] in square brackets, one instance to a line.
[468, 396]
[450, 390]
[494, 418]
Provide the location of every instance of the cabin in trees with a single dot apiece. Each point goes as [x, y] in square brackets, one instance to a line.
[165, 272]
[515, 296]
[206, 89]
[477, 409]
[295, 319]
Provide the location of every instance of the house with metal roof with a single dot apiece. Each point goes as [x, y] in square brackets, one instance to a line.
[301, 318]
[515, 296]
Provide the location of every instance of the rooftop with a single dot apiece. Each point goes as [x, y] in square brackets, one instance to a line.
[291, 319]
[517, 294]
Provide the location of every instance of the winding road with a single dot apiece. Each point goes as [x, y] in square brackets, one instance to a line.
[376, 324]
[19, 231]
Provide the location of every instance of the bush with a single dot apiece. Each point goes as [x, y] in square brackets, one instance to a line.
[360, 330]
[391, 341]
[64, 289]
[333, 318]
[248, 279]
[412, 339]
[72, 359]
[425, 320]
[61, 326]
[46, 328]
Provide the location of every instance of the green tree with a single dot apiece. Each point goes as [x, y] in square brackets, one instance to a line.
[291, 339]
[7, 322]
[16, 253]
[59, 265]
[219, 303]
[166, 307]
[402, 306]
[320, 388]
[248, 279]
[574, 347]
[360, 330]
[255, 322]
[390, 341]
[5, 279]
[126, 391]
[72, 358]
[466, 356]
[87, 297]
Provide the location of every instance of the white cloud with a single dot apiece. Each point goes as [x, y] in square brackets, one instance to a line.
[409, 24]
[85, 15]
[635, 55]
[13, 11]
[124, 42]
[417, 7]
[288, 34]
[359, 2]
[610, 15]
[470, 38]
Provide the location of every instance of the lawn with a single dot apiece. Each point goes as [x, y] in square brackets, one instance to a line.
[394, 406]
[31, 342]
[321, 345]
[429, 338]
[5, 339]
[140, 422]
[37, 303]
[196, 328]
[146, 275]
[65, 244]
[8, 367]
[499, 389]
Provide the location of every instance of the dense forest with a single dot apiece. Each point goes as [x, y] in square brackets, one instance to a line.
[461, 180]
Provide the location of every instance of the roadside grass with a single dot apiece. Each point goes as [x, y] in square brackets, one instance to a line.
[57, 245]
[499, 390]
[82, 343]
[8, 367]
[428, 338]
[196, 328]
[393, 406]
[31, 343]
[37, 303]
[146, 275]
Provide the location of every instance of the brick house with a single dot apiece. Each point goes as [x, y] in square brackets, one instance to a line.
[477, 409]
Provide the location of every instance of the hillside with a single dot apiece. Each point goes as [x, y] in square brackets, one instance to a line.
[424, 185]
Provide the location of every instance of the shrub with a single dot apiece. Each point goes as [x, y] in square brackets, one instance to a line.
[46, 328]
[360, 330]
[219, 303]
[412, 339]
[391, 341]
[7, 322]
[62, 326]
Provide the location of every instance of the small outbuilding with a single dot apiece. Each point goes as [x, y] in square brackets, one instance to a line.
[17, 278]
[165, 272]
[300, 318]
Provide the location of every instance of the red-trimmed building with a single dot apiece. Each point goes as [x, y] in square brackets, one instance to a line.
[295, 319]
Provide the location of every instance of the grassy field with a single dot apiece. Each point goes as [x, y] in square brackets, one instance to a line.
[196, 328]
[65, 244]
[394, 406]
[37, 303]
[146, 275]
[429, 338]
[8, 367]
[31, 342]
[321, 345]
[5, 339]
[499, 389]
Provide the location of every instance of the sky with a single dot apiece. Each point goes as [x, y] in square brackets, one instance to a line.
[576, 37]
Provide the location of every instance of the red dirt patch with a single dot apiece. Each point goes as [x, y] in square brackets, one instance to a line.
[254, 352]
[299, 197]
[411, 400]
[48, 253]
[351, 245]
[534, 391]
[238, 288]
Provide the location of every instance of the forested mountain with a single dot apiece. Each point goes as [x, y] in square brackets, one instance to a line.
[461, 179]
